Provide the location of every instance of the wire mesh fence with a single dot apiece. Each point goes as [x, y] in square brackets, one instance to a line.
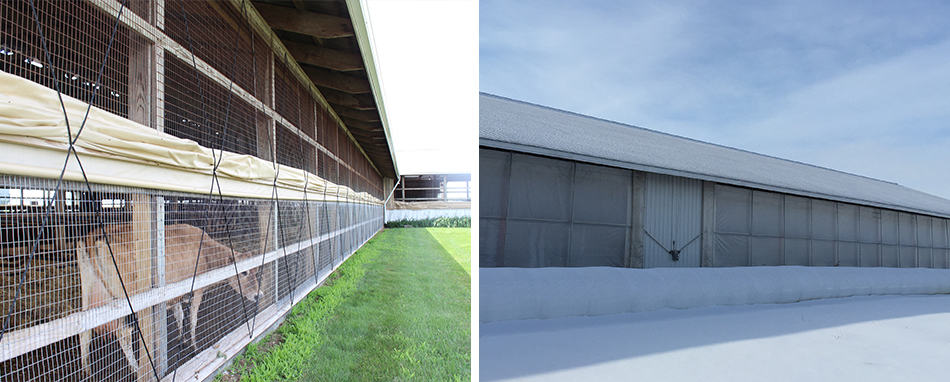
[109, 282]
[155, 237]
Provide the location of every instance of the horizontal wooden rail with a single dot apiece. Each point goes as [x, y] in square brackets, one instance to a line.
[24, 340]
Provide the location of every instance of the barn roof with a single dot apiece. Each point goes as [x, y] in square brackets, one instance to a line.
[330, 42]
[519, 126]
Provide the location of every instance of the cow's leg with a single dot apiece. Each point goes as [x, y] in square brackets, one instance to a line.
[193, 313]
[85, 339]
[124, 333]
[86, 278]
[179, 318]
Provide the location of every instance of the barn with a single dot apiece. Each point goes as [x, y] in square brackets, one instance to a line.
[559, 189]
[420, 197]
[176, 175]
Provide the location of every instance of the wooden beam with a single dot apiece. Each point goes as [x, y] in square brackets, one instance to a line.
[377, 149]
[269, 36]
[365, 133]
[353, 101]
[362, 125]
[377, 153]
[304, 22]
[361, 115]
[366, 138]
[301, 6]
[336, 80]
[324, 57]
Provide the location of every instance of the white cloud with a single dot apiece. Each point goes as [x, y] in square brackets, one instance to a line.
[887, 120]
[861, 87]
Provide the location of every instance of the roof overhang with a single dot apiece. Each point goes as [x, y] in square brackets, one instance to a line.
[330, 42]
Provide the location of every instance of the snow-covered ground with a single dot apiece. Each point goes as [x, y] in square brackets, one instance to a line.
[869, 338]
[525, 293]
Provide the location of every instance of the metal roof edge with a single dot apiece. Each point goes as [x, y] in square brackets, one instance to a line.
[528, 149]
[356, 9]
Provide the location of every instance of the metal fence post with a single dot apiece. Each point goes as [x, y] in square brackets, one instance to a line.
[158, 281]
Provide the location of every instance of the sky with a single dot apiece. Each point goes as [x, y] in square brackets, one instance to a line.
[862, 87]
[426, 52]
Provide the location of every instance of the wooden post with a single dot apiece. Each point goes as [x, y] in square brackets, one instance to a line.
[266, 212]
[149, 263]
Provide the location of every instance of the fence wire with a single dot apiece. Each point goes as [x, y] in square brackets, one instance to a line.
[102, 282]
[54, 291]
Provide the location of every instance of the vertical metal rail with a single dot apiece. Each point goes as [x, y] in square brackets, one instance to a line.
[836, 259]
[276, 247]
[880, 238]
[158, 313]
[503, 230]
[570, 229]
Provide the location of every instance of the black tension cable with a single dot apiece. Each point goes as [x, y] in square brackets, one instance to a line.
[350, 223]
[270, 213]
[215, 181]
[342, 212]
[71, 149]
[293, 283]
[339, 221]
[674, 252]
[283, 244]
[258, 274]
[307, 206]
[326, 216]
[227, 214]
[270, 218]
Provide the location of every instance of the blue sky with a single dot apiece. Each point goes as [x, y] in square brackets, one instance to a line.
[858, 86]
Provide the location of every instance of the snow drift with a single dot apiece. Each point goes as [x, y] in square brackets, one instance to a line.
[536, 293]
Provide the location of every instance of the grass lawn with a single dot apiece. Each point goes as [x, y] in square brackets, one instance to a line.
[399, 309]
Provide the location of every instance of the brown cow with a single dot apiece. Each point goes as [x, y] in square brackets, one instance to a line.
[100, 284]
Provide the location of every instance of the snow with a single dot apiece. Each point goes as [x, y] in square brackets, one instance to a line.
[543, 293]
[889, 338]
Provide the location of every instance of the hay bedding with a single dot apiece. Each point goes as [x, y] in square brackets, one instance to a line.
[51, 291]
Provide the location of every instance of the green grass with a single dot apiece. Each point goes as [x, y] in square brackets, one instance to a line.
[457, 242]
[399, 309]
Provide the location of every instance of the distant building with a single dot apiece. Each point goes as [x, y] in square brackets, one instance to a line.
[429, 196]
[434, 187]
